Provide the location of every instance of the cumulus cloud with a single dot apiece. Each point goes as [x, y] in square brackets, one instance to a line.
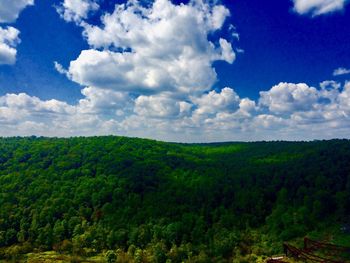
[17, 109]
[341, 71]
[106, 102]
[113, 70]
[163, 47]
[9, 12]
[328, 115]
[318, 7]
[289, 97]
[247, 105]
[213, 102]
[8, 41]
[10, 9]
[33, 104]
[161, 106]
[76, 10]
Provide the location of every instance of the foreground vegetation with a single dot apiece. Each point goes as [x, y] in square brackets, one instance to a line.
[135, 200]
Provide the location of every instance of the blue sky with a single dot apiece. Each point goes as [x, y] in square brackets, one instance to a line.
[176, 70]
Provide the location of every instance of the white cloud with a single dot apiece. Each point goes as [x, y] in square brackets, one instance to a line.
[247, 105]
[17, 110]
[33, 104]
[10, 9]
[7, 54]
[227, 53]
[161, 106]
[164, 47]
[76, 10]
[268, 121]
[289, 97]
[341, 71]
[326, 116]
[102, 101]
[9, 12]
[9, 36]
[344, 100]
[112, 70]
[218, 16]
[21, 114]
[318, 7]
[8, 41]
[59, 68]
[213, 102]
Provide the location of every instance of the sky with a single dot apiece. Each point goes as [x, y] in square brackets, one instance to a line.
[176, 70]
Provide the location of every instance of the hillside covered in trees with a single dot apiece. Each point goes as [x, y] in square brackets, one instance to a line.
[147, 201]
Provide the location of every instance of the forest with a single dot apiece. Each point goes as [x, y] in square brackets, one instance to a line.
[140, 200]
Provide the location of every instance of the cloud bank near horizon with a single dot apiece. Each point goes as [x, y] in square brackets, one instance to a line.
[287, 111]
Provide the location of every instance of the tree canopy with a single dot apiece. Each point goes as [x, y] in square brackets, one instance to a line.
[168, 201]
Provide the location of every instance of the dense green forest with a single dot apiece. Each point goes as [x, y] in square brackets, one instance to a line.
[138, 200]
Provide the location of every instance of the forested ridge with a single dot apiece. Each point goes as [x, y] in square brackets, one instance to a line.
[149, 201]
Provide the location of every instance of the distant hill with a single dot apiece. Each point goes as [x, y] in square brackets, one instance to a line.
[151, 201]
